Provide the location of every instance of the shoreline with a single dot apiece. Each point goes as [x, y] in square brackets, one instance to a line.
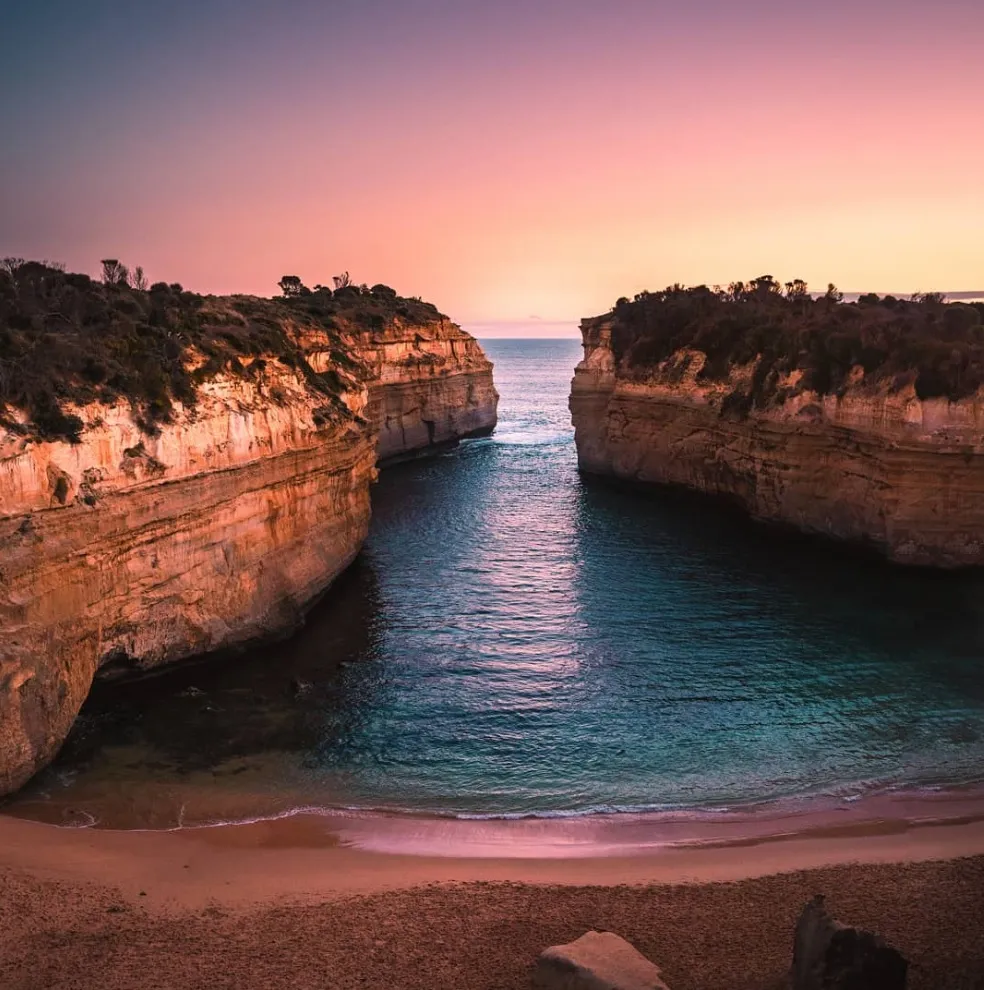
[304, 856]
[589, 833]
[292, 903]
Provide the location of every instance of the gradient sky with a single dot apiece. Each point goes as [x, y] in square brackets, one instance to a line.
[505, 160]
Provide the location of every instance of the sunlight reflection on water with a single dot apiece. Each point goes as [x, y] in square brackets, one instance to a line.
[517, 639]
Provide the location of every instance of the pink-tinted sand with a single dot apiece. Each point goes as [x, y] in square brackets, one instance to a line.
[302, 902]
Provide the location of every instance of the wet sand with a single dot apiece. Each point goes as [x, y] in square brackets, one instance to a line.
[289, 903]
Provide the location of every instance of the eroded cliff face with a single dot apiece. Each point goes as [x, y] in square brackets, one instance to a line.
[138, 550]
[430, 384]
[143, 550]
[886, 469]
[433, 386]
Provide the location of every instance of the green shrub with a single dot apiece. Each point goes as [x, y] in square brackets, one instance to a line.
[66, 338]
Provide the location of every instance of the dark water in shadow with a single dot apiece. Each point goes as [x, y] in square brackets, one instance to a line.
[516, 639]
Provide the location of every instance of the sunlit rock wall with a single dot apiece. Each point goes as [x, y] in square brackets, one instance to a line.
[433, 386]
[142, 550]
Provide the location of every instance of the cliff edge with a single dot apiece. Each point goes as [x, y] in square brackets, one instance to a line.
[862, 422]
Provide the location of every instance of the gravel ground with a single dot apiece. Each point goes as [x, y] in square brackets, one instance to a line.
[473, 936]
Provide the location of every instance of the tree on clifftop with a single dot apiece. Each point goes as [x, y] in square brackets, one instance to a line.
[290, 285]
[113, 273]
[765, 287]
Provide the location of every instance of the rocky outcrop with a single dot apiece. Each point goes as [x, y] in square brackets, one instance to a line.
[596, 961]
[136, 549]
[830, 956]
[433, 386]
[867, 464]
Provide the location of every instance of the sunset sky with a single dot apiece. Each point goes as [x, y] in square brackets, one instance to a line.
[507, 160]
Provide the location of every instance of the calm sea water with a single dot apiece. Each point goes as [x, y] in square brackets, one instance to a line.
[518, 640]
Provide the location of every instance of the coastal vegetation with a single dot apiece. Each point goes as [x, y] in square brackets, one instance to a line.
[364, 307]
[67, 339]
[923, 341]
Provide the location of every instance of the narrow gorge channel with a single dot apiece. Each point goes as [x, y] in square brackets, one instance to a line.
[518, 640]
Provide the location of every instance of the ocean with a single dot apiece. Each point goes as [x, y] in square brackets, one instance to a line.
[517, 640]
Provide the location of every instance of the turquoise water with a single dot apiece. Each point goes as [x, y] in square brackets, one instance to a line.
[518, 640]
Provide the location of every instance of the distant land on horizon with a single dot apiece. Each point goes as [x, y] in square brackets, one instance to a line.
[532, 328]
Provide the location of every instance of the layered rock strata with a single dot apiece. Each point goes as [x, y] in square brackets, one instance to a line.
[883, 468]
[433, 386]
[143, 550]
[138, 550]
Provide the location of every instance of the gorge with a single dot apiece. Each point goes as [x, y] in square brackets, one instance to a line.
[144, 521]
[512, 632]
[520, 640]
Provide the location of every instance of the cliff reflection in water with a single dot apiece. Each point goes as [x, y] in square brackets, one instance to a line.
[518, 640]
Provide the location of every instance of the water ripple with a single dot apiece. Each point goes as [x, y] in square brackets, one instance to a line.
[516, 640]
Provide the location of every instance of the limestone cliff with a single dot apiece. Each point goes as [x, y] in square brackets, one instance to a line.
[431, 384]
[131, 543]
[142, 550]
[868, 463]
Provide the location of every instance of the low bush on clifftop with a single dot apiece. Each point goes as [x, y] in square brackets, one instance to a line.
[68, 339]
[924, 341]
[367, 308]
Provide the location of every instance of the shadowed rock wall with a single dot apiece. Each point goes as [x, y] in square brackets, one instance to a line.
[886, 469]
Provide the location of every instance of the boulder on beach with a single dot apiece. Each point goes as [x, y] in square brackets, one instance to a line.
[830, 956]
[596, 961]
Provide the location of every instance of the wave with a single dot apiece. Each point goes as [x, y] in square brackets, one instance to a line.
[772, 806]
[606, 831]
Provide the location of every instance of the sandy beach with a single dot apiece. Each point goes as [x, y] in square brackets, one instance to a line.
[287, 903]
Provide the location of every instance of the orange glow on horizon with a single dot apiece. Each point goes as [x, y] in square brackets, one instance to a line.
[541, 179]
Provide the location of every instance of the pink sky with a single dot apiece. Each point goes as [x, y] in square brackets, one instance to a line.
[506, 162]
